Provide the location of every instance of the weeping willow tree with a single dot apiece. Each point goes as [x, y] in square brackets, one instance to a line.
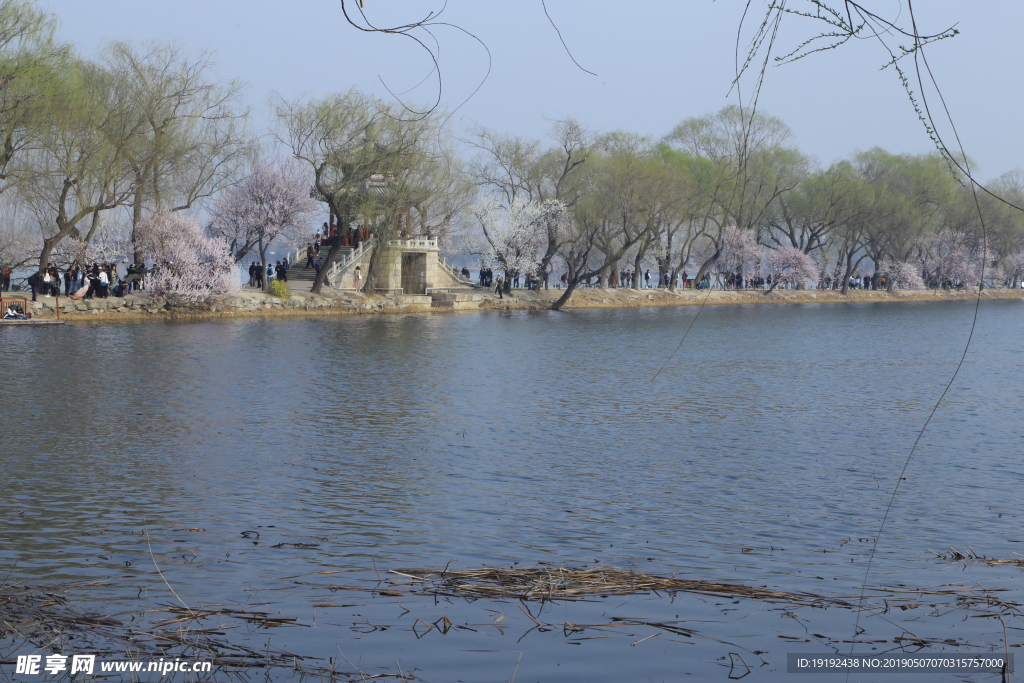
[31, 64]
[185, 136]
[75, 168]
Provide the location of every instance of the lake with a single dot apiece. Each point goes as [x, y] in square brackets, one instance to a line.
[285, 466]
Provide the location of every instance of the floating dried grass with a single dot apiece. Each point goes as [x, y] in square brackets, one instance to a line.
[564, 583]
[45, 617]
[954, 555]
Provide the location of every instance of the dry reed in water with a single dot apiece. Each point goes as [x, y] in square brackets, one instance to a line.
[564, 583]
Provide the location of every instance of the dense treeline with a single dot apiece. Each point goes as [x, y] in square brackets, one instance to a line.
[95, 155]
[728, 197]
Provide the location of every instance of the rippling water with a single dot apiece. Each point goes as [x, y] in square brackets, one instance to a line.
[763, 454]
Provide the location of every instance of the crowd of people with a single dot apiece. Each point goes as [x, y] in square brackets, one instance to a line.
[85, 282]
[258, 273]
[530, 280]
[629, 279]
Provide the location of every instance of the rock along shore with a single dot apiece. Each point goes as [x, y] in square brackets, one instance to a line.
[255, 304]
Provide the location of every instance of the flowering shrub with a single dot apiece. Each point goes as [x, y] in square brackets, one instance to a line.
[279, 289]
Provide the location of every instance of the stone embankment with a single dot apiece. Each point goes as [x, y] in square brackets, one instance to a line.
[249, 303]
[241, 305]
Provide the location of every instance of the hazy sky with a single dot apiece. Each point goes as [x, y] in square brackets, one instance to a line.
[656, 64]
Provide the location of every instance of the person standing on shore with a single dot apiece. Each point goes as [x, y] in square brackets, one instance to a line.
[258, 275]
[104, 283]
[357, 279]
[34, 281]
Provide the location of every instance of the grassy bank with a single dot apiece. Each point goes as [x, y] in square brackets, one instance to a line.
[634, 298]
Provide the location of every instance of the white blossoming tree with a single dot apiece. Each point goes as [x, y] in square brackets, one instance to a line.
[951, 258]
[188, 266]
[733, 250]
[787, 265]
[1012, 268]
[515, 234]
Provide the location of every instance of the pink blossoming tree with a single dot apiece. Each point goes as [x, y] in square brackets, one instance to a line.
[272, 203]
[188, 266]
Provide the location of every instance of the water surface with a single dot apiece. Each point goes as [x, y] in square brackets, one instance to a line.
[764, 453]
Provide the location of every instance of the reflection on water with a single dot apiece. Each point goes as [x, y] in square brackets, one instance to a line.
[763, 454]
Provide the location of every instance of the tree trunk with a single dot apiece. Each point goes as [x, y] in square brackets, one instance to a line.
[569, 289]
[263, 267]
[48, 246]
[328, 260]
[703, 270]
[847, 274]
[50, 243]
[373, 267]
[138, 257]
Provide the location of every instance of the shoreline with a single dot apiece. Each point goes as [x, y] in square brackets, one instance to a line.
[255, 304]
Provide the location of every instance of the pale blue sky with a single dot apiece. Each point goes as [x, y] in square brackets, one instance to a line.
[657, 63]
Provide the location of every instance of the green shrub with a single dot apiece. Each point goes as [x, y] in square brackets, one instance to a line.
[279, 289]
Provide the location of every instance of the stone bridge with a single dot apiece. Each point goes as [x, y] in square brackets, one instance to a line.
[412, 267]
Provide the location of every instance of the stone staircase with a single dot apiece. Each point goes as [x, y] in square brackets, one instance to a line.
[456, 299]
[301, 278]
